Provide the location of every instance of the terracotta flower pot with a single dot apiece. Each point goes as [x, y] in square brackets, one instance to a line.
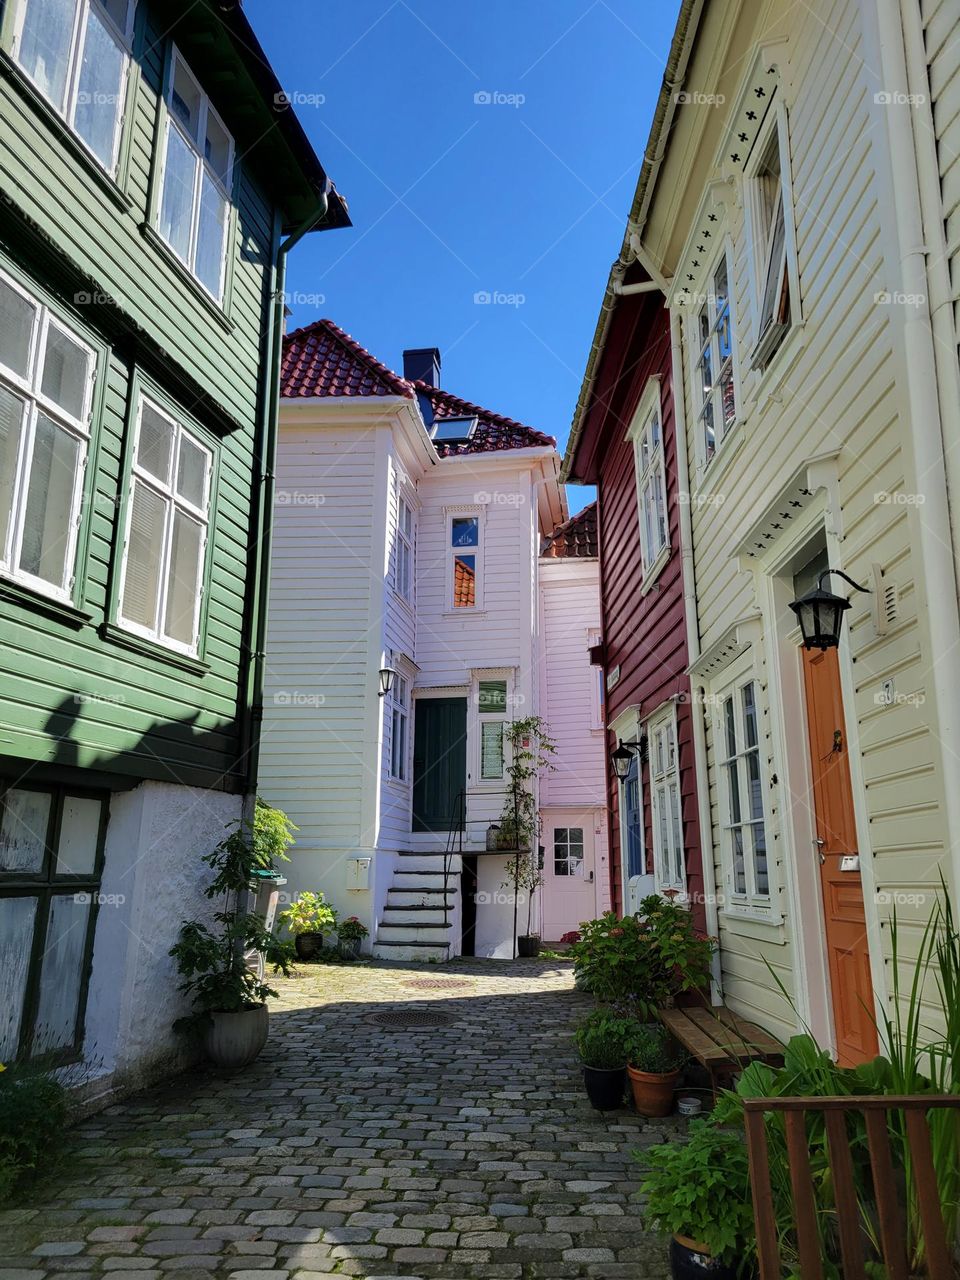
[234, 1039]
[652, 1092]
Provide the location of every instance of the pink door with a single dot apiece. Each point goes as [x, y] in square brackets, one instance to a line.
[569, 891]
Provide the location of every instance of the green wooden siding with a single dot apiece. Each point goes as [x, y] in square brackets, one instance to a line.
[71, 694]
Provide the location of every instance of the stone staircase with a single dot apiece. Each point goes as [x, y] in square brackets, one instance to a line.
[412, 926]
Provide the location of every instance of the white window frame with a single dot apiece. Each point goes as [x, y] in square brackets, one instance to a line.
[204, 167]
[706, 301]
[649, 462]
[463, 513]
[398, 766]
[173, 502]
[568, 877]
[28, 390]
[749, 898]
[404, 556]
[757, 230]
[666, 801]
[495, 717]
[68, 109]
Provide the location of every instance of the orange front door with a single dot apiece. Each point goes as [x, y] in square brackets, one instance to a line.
[845, 925]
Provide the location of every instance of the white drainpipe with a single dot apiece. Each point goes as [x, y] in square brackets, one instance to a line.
[924, 412]
[693, 647]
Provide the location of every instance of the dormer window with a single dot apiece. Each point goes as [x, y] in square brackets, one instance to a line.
[454, 430]
[76, 53]
[196, 180]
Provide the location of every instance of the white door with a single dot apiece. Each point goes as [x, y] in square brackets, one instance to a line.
[569, 871]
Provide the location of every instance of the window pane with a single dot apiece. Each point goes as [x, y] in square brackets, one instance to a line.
[660, 512]
[728, 404]
[760, 859]
[11, 430]
[185, 100]
[464, 582]
[46, 525]
[176, 205]
[706, 373]
[720, 285]
[560, 867]
[45, 45]
[23, 830]
[66, 370]
[61, 972]
[676, 833]
[17, 316]
[493, 696]
[192, 472]
[155, 442]
[118, 11]
[730, 726]
[141, 584]
[186, 554]
[17, 917]
[465, 531]
[733, 783]
[561, 836]
[739, 870]
[709, 431]
[217, 148]
[79, 836]
[99, 93]
[210, 237]
[749, 714]
[491, 749]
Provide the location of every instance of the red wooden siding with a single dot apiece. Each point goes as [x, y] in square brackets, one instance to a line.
[644, 635]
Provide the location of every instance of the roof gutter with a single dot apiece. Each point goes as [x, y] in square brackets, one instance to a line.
[674, 77]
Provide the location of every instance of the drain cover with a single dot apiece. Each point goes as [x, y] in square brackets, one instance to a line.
[411, 1019]
[437, 984]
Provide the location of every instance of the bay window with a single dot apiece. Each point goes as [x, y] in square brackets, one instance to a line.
[77, 53]
[194, 212]
[46, 391]
[166, 531]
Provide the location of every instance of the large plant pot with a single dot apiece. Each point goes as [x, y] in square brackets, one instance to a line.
[604, 1088]
[692, 1261]
[308, 945]
[652, 1092]
[235, 1039]
[528, 945]
[351, 946]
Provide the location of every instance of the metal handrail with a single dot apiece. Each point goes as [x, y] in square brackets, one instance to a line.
[458, 821]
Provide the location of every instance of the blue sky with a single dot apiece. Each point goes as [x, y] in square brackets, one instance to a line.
[520, 195]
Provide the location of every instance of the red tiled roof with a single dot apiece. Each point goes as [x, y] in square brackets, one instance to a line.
[321, 360]
[576, 537]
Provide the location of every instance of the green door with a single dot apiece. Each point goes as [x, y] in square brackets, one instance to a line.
[439, 763]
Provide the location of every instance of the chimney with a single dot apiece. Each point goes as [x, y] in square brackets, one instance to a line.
[422, 364]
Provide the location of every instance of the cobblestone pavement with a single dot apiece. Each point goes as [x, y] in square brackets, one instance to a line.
[462, 1151]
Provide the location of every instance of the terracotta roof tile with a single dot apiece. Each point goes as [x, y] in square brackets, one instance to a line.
[322, 360]
[575, 538]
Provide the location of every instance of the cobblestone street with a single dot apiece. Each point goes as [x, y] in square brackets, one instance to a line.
[465, 1150]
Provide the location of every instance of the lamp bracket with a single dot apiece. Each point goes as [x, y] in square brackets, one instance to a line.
[845, 576]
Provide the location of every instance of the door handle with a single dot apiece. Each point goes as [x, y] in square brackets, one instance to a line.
[818, 845]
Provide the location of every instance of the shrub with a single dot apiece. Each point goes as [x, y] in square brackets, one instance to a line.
[602, 1040]
[352, 930]
[642, 961]
[701, 1189]
[310, 913]
[649, 1048]
[33, 1114]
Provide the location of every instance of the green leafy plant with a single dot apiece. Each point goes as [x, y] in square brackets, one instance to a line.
[352, 930]
[701, 1189]
[211, 960]
[309, 913]
[650, 1049]
[530, 754]
[643, 961]
[34, 1109]
[602, 1040]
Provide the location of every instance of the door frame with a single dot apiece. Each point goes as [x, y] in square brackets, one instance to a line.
[627, 725]
[587, 818]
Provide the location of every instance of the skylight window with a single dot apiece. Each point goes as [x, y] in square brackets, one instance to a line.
[454, 430]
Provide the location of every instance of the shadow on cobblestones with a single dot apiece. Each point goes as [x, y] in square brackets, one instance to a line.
[465, 1150]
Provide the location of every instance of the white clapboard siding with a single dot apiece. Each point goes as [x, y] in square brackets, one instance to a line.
[941, 23]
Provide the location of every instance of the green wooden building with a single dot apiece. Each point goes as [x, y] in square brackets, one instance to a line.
[152, 179]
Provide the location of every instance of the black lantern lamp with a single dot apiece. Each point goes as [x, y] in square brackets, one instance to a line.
[386, 680]
[821, 612]
[622, 757]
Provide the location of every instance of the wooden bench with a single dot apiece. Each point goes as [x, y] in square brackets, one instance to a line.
[721, 1041]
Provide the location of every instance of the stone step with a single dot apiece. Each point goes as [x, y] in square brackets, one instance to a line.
[409, 932]
[420, 898]
[432, 862]
[420, 880]
[419, 917]
[418, 952]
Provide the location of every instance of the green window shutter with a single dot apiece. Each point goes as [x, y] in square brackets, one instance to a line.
[493, 697]
[491, 749]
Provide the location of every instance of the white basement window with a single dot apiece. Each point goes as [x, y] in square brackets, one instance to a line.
[196, 180]
[46, 391]
[166, 534]
[77, 53]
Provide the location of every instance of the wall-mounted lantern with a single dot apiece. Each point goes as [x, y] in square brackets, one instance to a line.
[821, 612]
[386, 680]
[622, 757]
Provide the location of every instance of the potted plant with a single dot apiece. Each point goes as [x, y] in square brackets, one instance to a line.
[653, 1069]
[530, 751]
[602, 1040]
[699, 1191]
[351, 933]
[307, 918]
[229, 999]
[523, 875]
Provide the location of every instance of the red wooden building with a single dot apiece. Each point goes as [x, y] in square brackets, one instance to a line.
[624, 441]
